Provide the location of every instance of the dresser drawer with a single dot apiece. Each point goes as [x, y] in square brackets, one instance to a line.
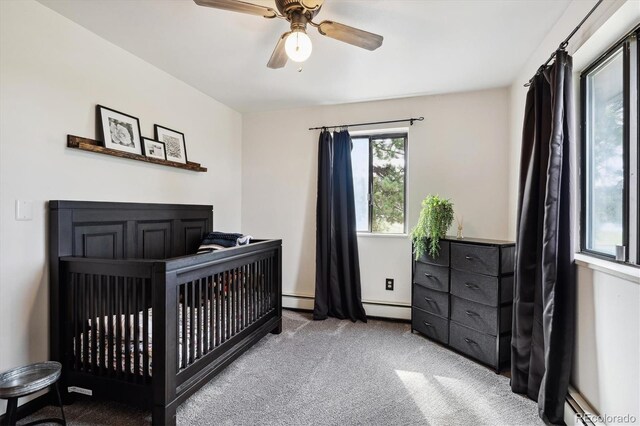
[474, 315]
[476, 287]
[431, 276]
[443, 256]
[475, 344]
[475, 258]
[430, 325]
[435, 302]
[481, 317]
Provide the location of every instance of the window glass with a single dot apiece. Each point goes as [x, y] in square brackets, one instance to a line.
[388, 185]
[378, 163]
[360, 167]
[605, 156]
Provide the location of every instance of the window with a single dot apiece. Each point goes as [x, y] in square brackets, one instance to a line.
[379, 182]
[609, 154]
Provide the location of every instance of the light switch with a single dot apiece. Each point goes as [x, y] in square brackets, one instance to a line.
[24, 210]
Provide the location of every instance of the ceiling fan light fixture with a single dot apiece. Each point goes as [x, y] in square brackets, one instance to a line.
[298, 46]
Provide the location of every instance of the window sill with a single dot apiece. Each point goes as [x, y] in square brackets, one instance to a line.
[379, 235]
[626, 272]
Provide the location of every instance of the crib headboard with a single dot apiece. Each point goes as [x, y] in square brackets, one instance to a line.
[118, 231]
[126, 230]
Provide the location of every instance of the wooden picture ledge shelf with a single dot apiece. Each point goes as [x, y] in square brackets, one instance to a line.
[96, 146]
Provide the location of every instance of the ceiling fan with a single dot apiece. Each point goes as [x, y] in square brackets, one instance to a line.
[296, 44]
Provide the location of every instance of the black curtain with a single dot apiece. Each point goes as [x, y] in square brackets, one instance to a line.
[544, 298]
[337, 263]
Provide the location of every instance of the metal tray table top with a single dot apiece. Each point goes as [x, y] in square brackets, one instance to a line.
[22, 381]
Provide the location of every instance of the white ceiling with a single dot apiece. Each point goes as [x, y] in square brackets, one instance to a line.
[429, 47]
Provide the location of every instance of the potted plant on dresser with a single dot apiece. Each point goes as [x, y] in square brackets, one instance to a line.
[435, 219]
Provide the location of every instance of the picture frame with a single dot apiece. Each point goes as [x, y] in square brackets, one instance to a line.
[154, 149]
[119, 131]
[175, 147]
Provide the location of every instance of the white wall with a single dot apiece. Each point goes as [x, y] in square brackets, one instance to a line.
[606, 368]
[459, 151]
[52, 74]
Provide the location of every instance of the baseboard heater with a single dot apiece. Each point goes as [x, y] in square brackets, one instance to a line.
[580, 413]
[375, 309]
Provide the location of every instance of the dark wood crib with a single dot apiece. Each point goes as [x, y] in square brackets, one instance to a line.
[136, 317]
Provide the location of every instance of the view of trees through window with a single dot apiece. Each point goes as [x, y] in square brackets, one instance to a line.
[379, 182]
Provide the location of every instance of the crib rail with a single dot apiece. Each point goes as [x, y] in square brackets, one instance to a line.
[217, 302]
[169, 321]
[108, 318]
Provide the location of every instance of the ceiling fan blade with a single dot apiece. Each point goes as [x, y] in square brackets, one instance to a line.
[279, 56]
[239, 6]
[347, 34]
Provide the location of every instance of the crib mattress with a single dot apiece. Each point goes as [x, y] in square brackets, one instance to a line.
[132, 342]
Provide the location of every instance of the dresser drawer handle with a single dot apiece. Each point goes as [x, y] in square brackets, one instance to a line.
[471, 286]
[468, 257]
[469, 341]
[427, 324]
[428, 275]
[470, 313]
[428, 299]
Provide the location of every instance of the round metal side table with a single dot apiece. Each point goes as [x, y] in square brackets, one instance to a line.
[23, 381]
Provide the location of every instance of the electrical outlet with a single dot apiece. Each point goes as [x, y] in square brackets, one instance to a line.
[389, 284]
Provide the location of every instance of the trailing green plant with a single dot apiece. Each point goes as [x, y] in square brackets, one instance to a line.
[435, 219]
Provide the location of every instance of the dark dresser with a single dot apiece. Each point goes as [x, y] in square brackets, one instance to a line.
[463, 298]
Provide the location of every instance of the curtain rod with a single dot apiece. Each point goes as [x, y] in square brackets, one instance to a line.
[410, 120]
[564, 43]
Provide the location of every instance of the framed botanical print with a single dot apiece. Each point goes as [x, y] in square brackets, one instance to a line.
[153, 149]
[174, 144]
[119, 131]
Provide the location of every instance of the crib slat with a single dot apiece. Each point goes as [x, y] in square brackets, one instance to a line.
[236, 300]
[267, 303]
[228, 287]
[270, 283]
[116, 320]
[136, 331]
[206, 308]
[76, 318]
[101, 316]
[214, 314]
[216, 282]
[234, 312]
[109, 325]
[223, 308]
[199, 318]
[191, 308]
[258, 279]
[243, 293]
[183, 321]
[145, 332]
[232, 296]
[260, 285]
[83, 317]
[267, 284]
[127, 328]
[94, 325]
[223, 303]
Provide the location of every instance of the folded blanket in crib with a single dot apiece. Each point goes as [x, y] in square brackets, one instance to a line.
[219, 240]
